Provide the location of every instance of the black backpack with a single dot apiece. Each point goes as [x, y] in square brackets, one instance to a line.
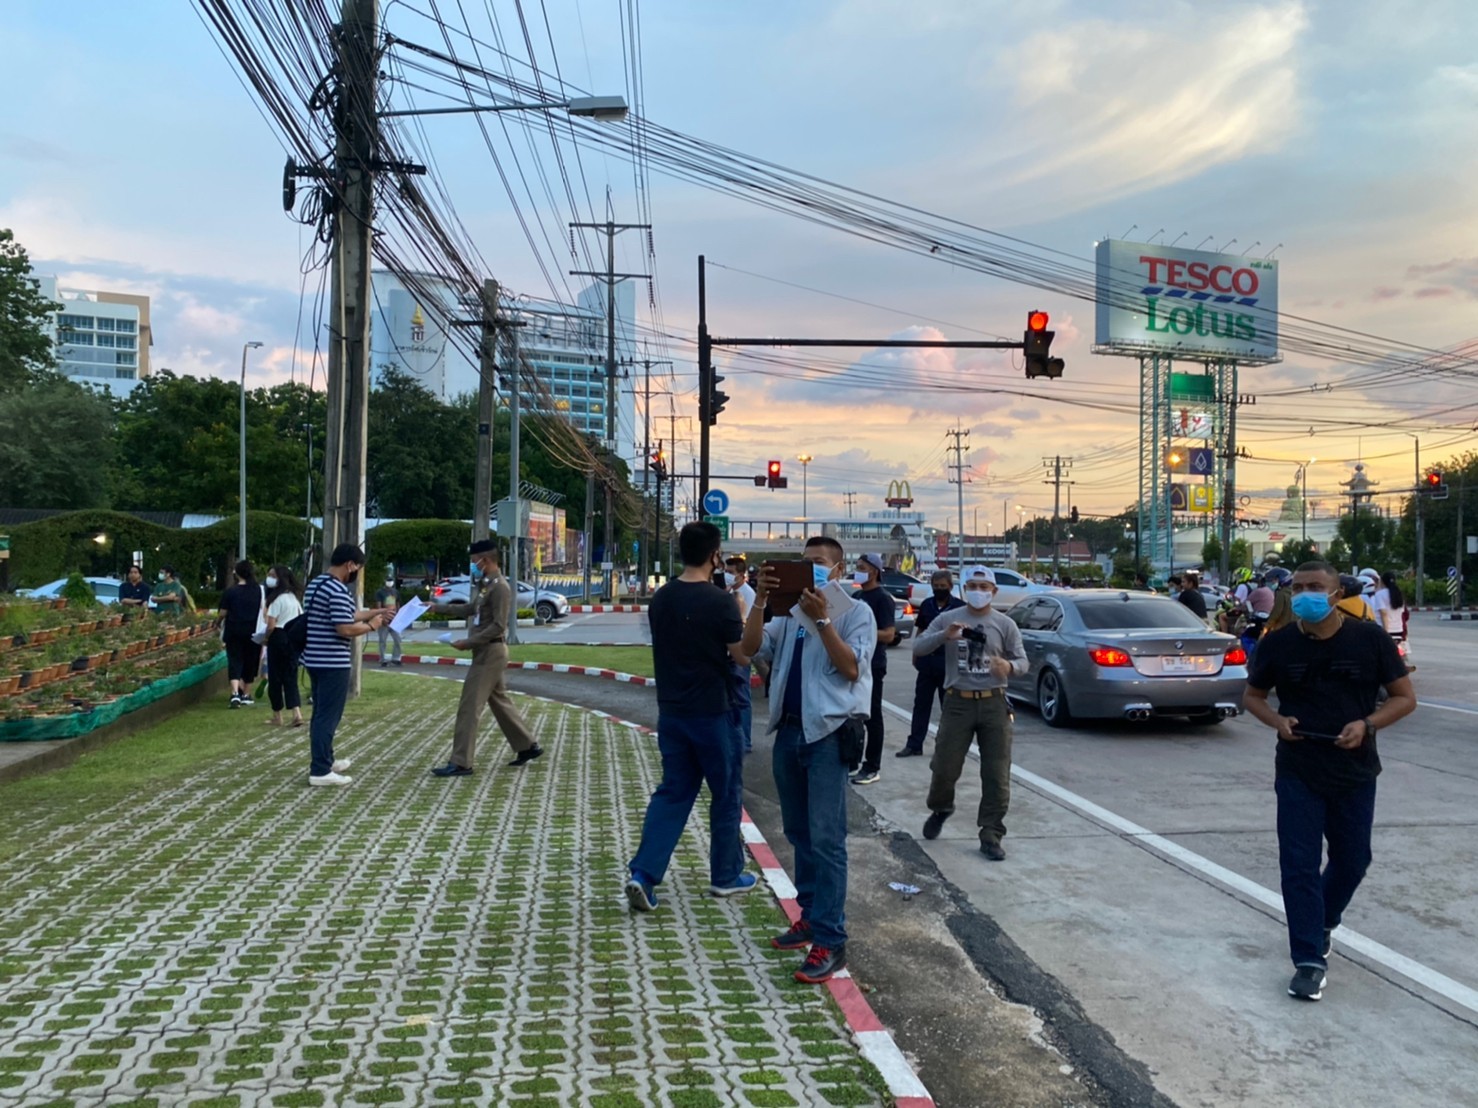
[295, 631]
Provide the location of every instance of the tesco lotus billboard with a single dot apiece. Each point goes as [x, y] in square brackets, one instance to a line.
[1186, 302]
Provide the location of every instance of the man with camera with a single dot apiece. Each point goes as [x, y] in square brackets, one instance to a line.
[820, 692]
[982, 648]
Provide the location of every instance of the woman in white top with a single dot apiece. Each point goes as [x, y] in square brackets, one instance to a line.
[283, 606]
[1389, 606]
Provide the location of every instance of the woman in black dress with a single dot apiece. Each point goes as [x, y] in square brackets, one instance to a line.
[241, 608]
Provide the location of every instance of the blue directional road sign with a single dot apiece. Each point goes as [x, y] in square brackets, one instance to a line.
[1202, 461]
[716, 503]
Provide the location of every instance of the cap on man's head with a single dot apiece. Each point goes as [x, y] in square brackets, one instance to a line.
[977, 572]
[874, 560]
[483, 546]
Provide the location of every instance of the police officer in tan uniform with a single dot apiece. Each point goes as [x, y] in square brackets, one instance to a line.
[487, 629]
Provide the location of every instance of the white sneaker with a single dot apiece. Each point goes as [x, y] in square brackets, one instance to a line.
[341, 765]
[330, 778]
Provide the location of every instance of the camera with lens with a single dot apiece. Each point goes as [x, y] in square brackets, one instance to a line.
[974, 634]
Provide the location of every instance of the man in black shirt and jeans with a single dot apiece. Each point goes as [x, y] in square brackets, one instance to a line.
[1328, 670]
[869, 579]
[695, 640]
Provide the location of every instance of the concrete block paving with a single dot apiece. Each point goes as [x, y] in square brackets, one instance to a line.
[244, 940]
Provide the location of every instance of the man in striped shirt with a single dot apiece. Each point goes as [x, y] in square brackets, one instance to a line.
[333, 619]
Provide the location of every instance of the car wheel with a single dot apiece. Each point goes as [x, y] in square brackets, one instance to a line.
[546, 610]
[1052, 700]
[1205, 719]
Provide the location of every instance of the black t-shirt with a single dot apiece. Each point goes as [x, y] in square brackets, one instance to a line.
[242, 603]
[129, 591]
[693, 623]
[1193, 600]
[1326, 684]
[880, 600]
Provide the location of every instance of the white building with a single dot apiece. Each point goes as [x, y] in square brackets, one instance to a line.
[101, 339]
[566, 345]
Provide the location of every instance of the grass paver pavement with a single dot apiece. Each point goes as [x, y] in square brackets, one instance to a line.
[183, 921]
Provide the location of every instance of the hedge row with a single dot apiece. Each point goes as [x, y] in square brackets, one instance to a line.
[101, 543]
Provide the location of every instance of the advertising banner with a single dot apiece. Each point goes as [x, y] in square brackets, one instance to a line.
[1186, 302]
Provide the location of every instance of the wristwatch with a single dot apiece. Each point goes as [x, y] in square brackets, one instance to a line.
[822, 622]
[1369, 730]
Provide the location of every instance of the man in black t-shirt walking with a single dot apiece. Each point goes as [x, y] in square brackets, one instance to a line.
[1328, 670]
[695, 641]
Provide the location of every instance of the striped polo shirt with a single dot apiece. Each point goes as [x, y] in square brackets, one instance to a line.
[326, 648]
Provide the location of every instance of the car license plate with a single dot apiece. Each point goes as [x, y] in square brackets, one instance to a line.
[1180, 665]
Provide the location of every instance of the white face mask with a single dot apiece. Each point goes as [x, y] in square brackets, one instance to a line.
[729, 580]
[271, 582]
[979, 598]
[861, 577]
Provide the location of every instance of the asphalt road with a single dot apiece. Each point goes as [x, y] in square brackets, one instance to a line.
[1138, 912]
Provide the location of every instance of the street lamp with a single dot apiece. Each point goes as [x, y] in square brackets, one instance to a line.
[1303, 499]
[241, 500]
[1021, 510]
[1421, 523]
[805, 460]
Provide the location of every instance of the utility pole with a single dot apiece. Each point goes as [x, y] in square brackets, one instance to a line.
[1058, 465]
[1421, 530]
[1229, 487]
[1457, 557]
[851, 498]
[357, 138]
[610, 277]
[648, 540]
[482, 478]
[515, 540]
[958, 480]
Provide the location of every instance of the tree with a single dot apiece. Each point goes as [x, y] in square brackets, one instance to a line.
[26, 350]
[1239, 554]
[1368, 535]
[56, 446]
[1296, 552]
[422, 452]
[1211, 552]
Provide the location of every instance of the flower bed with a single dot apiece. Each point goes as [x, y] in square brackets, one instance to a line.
[65, 670]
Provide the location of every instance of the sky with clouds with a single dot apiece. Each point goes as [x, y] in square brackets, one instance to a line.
[133, 159]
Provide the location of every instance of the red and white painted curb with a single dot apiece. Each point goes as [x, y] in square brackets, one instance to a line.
[593, 609]
[544, 667]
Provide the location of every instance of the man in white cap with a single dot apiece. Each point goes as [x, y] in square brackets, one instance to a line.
[982, 649]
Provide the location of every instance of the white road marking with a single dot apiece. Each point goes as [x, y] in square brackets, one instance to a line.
[879, 1048]
[780, 884]
[1439, 983]
[751, 833]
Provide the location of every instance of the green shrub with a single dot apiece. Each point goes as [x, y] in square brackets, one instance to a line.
[78, 592]
[409, 544]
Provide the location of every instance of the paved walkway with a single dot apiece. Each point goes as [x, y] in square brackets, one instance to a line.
[243, 940]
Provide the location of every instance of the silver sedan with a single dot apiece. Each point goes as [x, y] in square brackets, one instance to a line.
[1124, 655]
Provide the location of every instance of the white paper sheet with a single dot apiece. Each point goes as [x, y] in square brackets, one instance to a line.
[407, 614]
[837, 602]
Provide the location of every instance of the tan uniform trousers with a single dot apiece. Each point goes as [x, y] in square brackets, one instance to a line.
[485, 685]
[986, 721]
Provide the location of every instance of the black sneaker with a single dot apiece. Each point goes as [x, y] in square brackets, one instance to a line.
[821, 964]
[1328, 943]
[451, 769]
[1308, 983]
[235, 701]
[866, 777]
[527, 756]
[247, 702]
[994, 851]
[797, 938]
[908, 752]
[934, 824]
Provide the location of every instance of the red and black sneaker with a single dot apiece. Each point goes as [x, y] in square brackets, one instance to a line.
[797, 938]
[820, 964]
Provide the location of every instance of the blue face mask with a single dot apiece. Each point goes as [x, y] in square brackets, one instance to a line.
[820, 574]
[1311, 607]
[477, 573]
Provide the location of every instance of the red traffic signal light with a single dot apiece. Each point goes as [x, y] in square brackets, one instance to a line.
[1036, 345]
[1434, 479]
[774, 480]
[1434, 485]
[1036, 321]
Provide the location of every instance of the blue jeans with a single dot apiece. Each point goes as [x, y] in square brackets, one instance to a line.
[695, 749]
[330, 694]
[1313, 901]
[812, 785]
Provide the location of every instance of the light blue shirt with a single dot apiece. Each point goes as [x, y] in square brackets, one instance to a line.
[827, 698]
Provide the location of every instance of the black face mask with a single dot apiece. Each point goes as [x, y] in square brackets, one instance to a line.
[942, 595]
[353, 577]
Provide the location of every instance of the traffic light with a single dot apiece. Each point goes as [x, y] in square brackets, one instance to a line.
[775, 481]
[1434, 485]
[1073, 514]
[659, 463]
[710, 400]
[1036, 343]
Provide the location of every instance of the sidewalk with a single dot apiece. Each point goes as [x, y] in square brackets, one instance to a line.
[239, 939]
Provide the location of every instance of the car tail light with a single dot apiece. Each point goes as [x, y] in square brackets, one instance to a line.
[1109, 656]
[908, 609]
[440, 589]
[1236, 656]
